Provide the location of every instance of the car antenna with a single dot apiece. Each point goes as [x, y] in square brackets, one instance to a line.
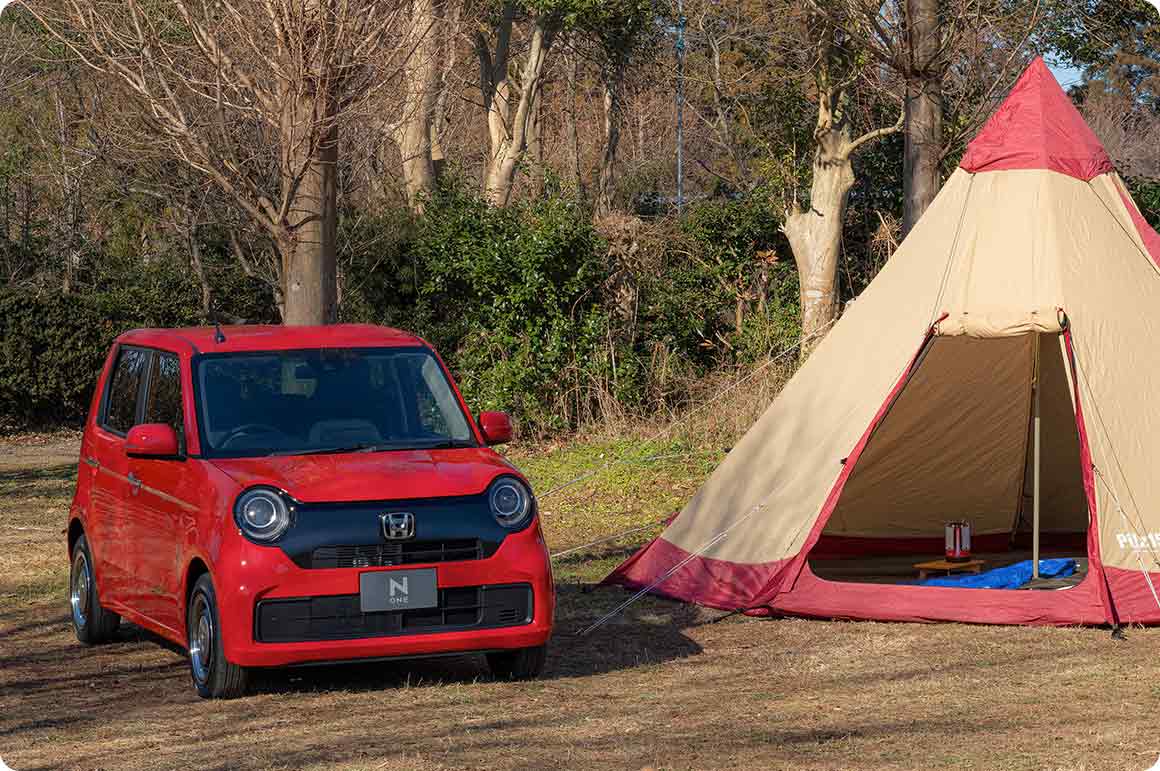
[218, 335]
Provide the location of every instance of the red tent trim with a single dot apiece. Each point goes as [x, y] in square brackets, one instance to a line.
[1038, 127]
[1148, 235]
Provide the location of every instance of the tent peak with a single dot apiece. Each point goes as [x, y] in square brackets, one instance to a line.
[1038, 127]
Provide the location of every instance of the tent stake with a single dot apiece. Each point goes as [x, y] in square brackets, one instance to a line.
[1035, 490]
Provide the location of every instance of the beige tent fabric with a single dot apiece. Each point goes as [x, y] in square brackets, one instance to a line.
[1063, 503]
[790, 458]
[1112, 287]
[921, 469]
[999, 252]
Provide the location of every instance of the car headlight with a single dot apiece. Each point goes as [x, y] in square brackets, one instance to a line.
[511, 502]
[262, 514]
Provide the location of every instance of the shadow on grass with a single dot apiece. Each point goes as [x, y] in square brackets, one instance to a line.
[65, 472]
[648, 632]
[41, 654]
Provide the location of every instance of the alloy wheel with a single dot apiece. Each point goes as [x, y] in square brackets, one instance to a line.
[80, 589]
[201, 639]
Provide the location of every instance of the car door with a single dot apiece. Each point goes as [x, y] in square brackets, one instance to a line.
[158, 497]
[115, 554]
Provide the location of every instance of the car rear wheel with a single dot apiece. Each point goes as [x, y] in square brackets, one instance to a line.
[522, 664]
[91, 622]
[213, 676]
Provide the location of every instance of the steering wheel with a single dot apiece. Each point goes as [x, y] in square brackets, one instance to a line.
[248, 428]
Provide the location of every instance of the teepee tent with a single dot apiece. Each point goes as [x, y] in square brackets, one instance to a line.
[1028, 294]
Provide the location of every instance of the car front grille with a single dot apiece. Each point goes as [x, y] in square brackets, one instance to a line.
[384, 555]
[338, 617]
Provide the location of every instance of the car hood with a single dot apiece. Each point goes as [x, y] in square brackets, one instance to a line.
[380, 476]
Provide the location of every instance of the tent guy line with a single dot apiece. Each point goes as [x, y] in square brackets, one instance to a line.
[1134, 524]
[934, 311]
[1124, 520]
[672, 571]
[1124, 230]
[608, 538]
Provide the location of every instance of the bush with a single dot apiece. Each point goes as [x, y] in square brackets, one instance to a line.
[510, 295]
[537, 311]
[52, 346]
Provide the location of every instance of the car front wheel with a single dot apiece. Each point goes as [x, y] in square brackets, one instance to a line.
[213, 676]
[91, 622]
[522, 664]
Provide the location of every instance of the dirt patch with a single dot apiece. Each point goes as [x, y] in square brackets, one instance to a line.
[664, 686]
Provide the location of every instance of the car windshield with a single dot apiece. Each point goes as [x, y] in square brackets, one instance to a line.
[326, 401]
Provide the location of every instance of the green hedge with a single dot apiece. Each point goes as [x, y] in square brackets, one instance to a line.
[52, 348]
[525, 303]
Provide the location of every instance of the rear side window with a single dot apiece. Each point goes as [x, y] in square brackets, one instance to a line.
[124, 388]
[163, 402]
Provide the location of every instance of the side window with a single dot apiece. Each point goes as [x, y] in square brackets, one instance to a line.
[121, 402]
[163, 402]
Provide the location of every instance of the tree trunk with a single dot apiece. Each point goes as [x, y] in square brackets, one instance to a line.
[924, 111]
[448, 42]
[606, 184]
[308, 249]
[536, 147]
[508, 127]
[815, 236]
[573, 133]
[198, 266]
[415, 130]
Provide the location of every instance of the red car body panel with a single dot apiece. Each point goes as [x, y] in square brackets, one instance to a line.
[153, 523]
[357, 477]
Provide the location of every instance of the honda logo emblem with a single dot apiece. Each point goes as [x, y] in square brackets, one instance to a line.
[398, 525]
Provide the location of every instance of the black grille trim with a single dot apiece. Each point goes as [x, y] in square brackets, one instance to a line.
[338, 617]
[384, 555]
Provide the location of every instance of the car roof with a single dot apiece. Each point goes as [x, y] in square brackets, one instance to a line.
[270, 338]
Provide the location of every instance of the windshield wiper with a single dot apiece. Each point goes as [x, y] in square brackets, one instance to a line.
[367, 447]
[327, 450]
[448, 444]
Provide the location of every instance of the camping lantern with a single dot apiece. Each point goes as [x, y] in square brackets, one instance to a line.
[958, 541]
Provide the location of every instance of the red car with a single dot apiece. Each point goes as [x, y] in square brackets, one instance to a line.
[271, 496]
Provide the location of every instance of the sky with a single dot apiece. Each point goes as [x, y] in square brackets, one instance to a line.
[1068, 76]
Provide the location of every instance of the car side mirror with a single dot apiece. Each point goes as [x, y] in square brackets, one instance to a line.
[496, 427]
[152, 440]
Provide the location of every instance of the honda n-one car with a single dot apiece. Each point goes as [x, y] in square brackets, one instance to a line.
[276, 496]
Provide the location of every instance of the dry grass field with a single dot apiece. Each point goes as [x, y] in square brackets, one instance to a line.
[663, 686]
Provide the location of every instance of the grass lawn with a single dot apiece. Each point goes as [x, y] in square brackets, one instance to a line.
[663, 686]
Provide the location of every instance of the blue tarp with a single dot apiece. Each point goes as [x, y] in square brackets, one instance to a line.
[1009, 577]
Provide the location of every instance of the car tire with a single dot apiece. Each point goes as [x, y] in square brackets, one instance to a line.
[91, 622]
[521, 664]
[213, 676]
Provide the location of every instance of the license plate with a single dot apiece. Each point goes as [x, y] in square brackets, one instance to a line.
[398, 590]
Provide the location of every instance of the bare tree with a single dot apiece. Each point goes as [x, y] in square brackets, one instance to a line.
[1129, 130]
[431, 42]
[508, 100]
[944, 57]
[618, 34]
[923, 106]
[815, 232]
[252, 97]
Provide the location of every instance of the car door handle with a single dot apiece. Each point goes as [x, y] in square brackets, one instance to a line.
[92, 461]
[134, 482]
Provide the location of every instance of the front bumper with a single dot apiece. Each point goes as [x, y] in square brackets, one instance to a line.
[248, 575]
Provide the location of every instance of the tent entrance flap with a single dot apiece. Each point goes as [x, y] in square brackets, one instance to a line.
[959, 444]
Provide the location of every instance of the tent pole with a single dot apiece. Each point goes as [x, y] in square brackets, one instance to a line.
[1035, 489]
